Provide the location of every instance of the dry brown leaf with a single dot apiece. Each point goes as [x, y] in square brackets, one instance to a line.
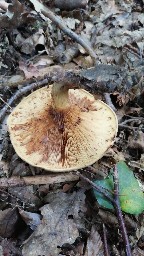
[26, 195]
[94, 244]
[8, 221]
[108, 8]
[29, 71]
[29, 44]
[30, 218]
[137, 252]
[8, 247]
[136, 141]
[59, 224]
[14, 17]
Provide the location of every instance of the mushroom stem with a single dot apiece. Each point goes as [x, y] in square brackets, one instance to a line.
[60, 95]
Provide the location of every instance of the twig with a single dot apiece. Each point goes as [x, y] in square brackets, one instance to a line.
[98, 188]
[134, 51]
[39, 7]
[116, 205]
[106, 249]
[136, 119]
[119, 213]
[19, 94]
[37, 180]
[5, 102]
[130, 127]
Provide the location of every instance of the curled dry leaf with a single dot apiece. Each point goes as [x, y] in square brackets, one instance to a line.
[28, 45]
[30, 218]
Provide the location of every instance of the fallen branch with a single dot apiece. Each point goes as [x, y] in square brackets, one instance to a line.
[98, 188]
[37, 180]
[39, 7]
[123, 126]
[106, 249]
[19, 94]
[116, 204]
[119, 213]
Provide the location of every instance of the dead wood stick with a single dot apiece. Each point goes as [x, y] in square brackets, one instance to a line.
[19, 94]
[119, 213]
[100, 189]
[39, 7]
[106, 249]
[116, 203]
[37, 180]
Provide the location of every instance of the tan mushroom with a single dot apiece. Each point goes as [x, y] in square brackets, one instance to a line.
[62, 129]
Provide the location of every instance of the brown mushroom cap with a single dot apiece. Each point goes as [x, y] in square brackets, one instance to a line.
[62, 139]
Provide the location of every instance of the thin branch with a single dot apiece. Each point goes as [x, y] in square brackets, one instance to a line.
[39, 7]
[106, 249]
[37, 180]
[98, 188]
[130, 127]
[119, 213]
[136, 119]
[116, 205]
[19, 94]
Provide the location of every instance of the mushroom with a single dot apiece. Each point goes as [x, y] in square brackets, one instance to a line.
[61, 129]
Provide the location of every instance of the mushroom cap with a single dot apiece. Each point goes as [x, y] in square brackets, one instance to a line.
[62, 140]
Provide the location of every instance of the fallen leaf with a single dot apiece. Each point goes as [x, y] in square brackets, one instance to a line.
[136, 141]
[8, 247]
[94, 245]
[26, 195]
[30, 218]
[137, 252]
[59, 225]
[29, 71]
[8, 221]
[14, 17]
[130, 194]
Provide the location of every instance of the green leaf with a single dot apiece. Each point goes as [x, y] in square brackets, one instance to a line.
[130, 194]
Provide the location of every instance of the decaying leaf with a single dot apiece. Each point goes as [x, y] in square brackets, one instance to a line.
[70, 5]
[8, 221]
[26, 195]
[137, 252]
[136, 141]
[30, 218]
[60, 224]
[8, 247]
[94, 244]
[14, 17]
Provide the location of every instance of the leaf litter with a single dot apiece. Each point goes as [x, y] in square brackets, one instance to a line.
[70, 222]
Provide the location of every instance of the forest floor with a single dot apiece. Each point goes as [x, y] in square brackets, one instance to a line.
[48, 214]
